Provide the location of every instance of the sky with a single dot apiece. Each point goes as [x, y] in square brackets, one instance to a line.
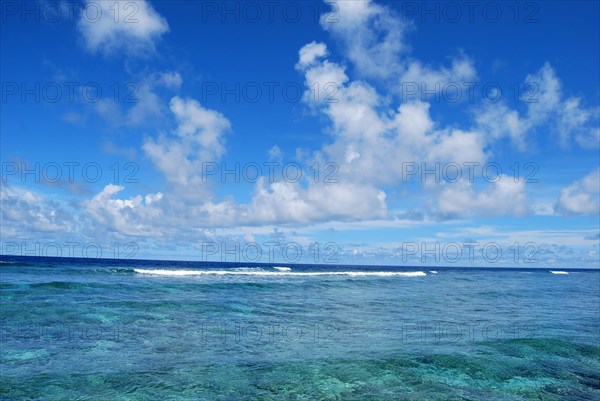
[343, 132]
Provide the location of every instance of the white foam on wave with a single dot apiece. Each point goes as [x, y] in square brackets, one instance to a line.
[558, 272]
[246, 269]
[432, 271]
[283, 268]
[164, 272]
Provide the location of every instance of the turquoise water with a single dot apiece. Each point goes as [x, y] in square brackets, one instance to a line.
[82, 329]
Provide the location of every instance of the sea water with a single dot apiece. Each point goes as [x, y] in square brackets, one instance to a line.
[90, 329]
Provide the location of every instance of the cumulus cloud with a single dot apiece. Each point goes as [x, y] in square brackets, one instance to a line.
[288, 202]
[505, 197]
[419, 78]
[499, 121]
[371, 140]
[26, 211]
[371, 137]
[204, 126]
[577, 122]
[372, 143]
[582, 196]
[545, 95]
[171, 79]
[371, 35]
[311, 52]
[148, 105]
[546, 106]
[142, 103]
[373, 38]
[131, 26]
[276, 154]
[198, 139]
[136, 216]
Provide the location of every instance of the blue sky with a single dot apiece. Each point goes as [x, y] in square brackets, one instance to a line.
[125, 114]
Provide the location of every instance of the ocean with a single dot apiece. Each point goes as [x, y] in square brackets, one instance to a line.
[100, 329]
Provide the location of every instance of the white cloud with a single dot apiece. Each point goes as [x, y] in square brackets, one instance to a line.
[288, 202]
[457, 146]
[582, 196]
[419, 78]
[275, 154]
[543, 94]
[577, 122]
[373, 39]
[503, 197]
[25, 211]
[543, 208]
[499, 121]
[371, 141]
[148, 106]
[171, 79]
[546, 106]
[131, 26]
[140, 103]
[198, 138]
[310, 53]
[136, 216]
[371, 35]
[202, 126]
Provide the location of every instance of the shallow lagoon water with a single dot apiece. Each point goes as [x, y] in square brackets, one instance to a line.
[140, 330]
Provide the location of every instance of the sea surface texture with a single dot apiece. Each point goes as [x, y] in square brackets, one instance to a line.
[88, 329]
